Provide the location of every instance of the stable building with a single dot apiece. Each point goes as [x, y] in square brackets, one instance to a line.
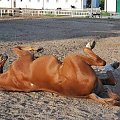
[49, 4]
[112, 6]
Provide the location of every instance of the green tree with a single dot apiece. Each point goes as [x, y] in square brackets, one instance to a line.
[102, 4]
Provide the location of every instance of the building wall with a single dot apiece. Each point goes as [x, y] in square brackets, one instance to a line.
[64, 4]
[29, 4]
[110, 5]
[6, 4]
[49, 4]
[46, 4]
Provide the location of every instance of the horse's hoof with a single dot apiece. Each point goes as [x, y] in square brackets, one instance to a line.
[115, 64]
[91, 45]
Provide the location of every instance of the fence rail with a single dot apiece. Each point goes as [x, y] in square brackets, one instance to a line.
[72, 13]
[6, 11]
[36, 12]
[115, 15]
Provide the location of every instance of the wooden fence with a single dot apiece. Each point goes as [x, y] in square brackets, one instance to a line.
[36, 12]
[72, 13]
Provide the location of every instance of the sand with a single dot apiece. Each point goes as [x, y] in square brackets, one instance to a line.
[50, 106]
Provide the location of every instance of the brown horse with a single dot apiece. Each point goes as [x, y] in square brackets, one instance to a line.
[73, 77]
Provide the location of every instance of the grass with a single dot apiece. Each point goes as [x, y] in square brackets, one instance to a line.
[105, 13]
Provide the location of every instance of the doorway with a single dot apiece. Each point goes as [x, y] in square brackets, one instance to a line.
[88, 4]
[118, 6]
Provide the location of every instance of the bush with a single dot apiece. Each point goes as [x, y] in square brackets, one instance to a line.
[102, 4]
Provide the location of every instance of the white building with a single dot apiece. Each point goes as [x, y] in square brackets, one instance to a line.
[112, 5]
[48, 4]
[6, 3]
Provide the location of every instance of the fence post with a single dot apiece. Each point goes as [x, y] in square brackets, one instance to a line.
[38, 12]
[32, 14]
[1, 12]
[72, 13]
[8, 12]
[55, 14]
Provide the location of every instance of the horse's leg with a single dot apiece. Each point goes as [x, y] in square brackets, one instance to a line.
[92, 58]
[22, 51]
[111, 100]
[18, 50]
[112, 94]
[10, 80]
[27, 50]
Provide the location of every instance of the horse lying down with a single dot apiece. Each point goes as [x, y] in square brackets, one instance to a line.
[73, 77]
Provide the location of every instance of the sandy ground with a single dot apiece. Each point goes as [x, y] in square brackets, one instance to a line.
[47, 106]
[57, 29]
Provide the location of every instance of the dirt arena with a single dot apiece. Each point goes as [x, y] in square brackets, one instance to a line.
[49, 106]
